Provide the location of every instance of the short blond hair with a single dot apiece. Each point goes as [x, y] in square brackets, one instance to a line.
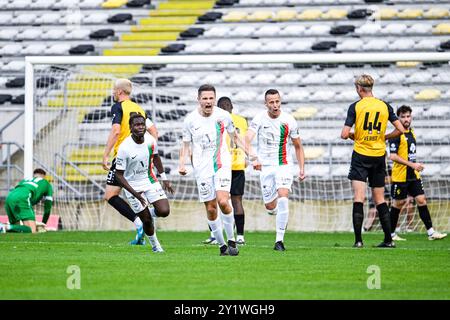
[365, 81]
[124, 85]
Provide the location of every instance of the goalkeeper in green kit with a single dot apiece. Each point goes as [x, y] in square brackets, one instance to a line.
[20, 201]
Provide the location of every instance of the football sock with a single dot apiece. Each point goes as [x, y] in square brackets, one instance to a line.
[228, 225]
[18, 228]
[153, 213]
[282, 218]
[153, 240]
[358, 216]
[210, 232]
[273, 212]
[216, 228]
[137, 222]
[239, 219]
[424, 214]
[124, 209]
[383, 213]
[430, 231]
[394, 219]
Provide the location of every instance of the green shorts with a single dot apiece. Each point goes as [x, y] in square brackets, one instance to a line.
[18, 206]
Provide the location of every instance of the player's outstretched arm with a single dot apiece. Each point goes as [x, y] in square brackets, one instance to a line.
[112, 139]
[399, 130]
[124, 183]
[300, 155]
[183, 152]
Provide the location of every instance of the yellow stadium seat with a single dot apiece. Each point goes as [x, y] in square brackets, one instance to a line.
[285, 15]
[90, 169]
[84, 93]
[310, 14]
[235, 16]
[156, 28]
[436, 13]
[385, 14]
[304, 112]
[140, 44]
[314, 152]
[89, 85]
[128, 69]
[87, 154]
[407, 64]
[131, 52]
[180, 5]
[260, 16]
[442, 28]
[76, 102]
[111, 4]
[168, 20]
[410, 14]
[335, 14]
[150, 36]
[428, 94]
[177, 13]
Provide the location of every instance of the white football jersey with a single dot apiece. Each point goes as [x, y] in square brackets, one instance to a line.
[137, 162]
[207, 135]
[273, 148]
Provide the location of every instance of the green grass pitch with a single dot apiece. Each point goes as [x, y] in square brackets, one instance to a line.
[315, 266]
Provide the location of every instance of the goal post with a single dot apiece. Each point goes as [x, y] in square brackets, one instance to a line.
[67, 100]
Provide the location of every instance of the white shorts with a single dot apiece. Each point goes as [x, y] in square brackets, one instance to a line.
[220, 181]
[153, 194]
[274, 178]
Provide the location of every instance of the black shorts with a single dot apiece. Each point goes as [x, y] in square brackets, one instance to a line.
[111, 178]
[365, 167]
[400, 190]
[237, 182]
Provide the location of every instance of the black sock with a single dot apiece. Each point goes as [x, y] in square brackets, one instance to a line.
[394, 218]
[424, 214]
[124, 209]
[383, 213]
[358, 216]
[239, 220]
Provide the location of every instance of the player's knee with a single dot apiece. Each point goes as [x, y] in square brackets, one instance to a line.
[223, 204]
[271, 206]
[421, 201]
[164, 212]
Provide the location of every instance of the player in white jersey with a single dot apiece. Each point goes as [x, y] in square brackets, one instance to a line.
[206, 128]
[135, 172]
[273, 129]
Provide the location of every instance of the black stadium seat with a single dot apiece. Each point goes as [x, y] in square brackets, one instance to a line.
[82, 49]
[5, 98]
[359, 14]
[210, 16]
[146, 67]
[102, 34]
[226, 3]
[120, 18]
[45, 82]
[19, 99]
[445, 45]
[173, 48]
[16, 83]
[344, 29]
[137, 3]
[192, 32]
[324, 45]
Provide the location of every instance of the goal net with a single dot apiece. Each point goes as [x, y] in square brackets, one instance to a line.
[70, 120]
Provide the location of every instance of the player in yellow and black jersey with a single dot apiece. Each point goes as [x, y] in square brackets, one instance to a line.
[406, 176]
[370, 117]
[121, 111]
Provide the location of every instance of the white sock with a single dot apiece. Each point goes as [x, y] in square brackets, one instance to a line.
[153, 240]
[137, 222]
[216, 229]
[430, 231]
[393, 234]
[228, 224]
[273, 212]
[282, 218]
[152, 213]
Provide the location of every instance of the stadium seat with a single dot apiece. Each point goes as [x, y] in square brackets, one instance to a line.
[58, 49]
[78, 34]
[96, 18]
[293, 30]
[410, 13]
[259, 16]
[299, 45]
[334, 14]
[402, 44]
[49, 18]
[393, 77]
[359, 14]
[269, 30]
[19, 4]
[249, 46]
[112, 4]
[419, 77]
[346, 95]
[394, 29]
[29, 34]
[315, 78]
[8, 34]
[64, 4]
[318, 30]
[428, 94]
[442, 28]
[322, 95]
[285, 15]
[437, 111]
[302, 112]
[427, 44]
[402, 94]
[11, 50]
[224, 47]
[436, 13]
[6, 17]
[441, 77]
[25, 18]
[420, 28]
[243, 31]
[376, 44]
[5, 98]
[369, 29]
[350, 45]
[310, 14]
[340, 78]
[192, 33]
[235, 16]
[342, 29]
[239, 79]
[15, 65]
[385, 14]
[264, 78]
[313, 152]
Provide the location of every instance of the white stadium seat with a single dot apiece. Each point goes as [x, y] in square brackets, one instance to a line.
[289, 78]
[96, 18]
[420, 28]
[6, 17]
[15, 65]
[441, 77]
[11, 49]
[394, 29]
[249, 46]
[419, 77]
[315, 78]
[427, 44]
[78, 34]
[41, 4]
[239, 79]
[56, 34]
[299, 45]
[322, 95]
[269, 30]
[59, 49]
[368, 29]
[318, 30]
[350, 45]
[35, 49]
[50, 18]
[30, 34]
[243, 31]
[402, 44]
[25, 18]
[392, 77]
[376, 44]
[293, 30]
[402, 94]
[340, 78]
[217, 32]
[19, 4]
[8, 34]
[223, 47]
[264, 78]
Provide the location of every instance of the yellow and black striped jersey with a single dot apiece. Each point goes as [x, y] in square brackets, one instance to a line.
[121, 115]
[237, 154]
[405, 147]
[370, 116]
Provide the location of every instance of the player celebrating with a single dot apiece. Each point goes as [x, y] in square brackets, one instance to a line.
[120, 130]
[134, 171]
[370, 116]
[206, 127]
[273, 129]
[406, 176]
[20, 201]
